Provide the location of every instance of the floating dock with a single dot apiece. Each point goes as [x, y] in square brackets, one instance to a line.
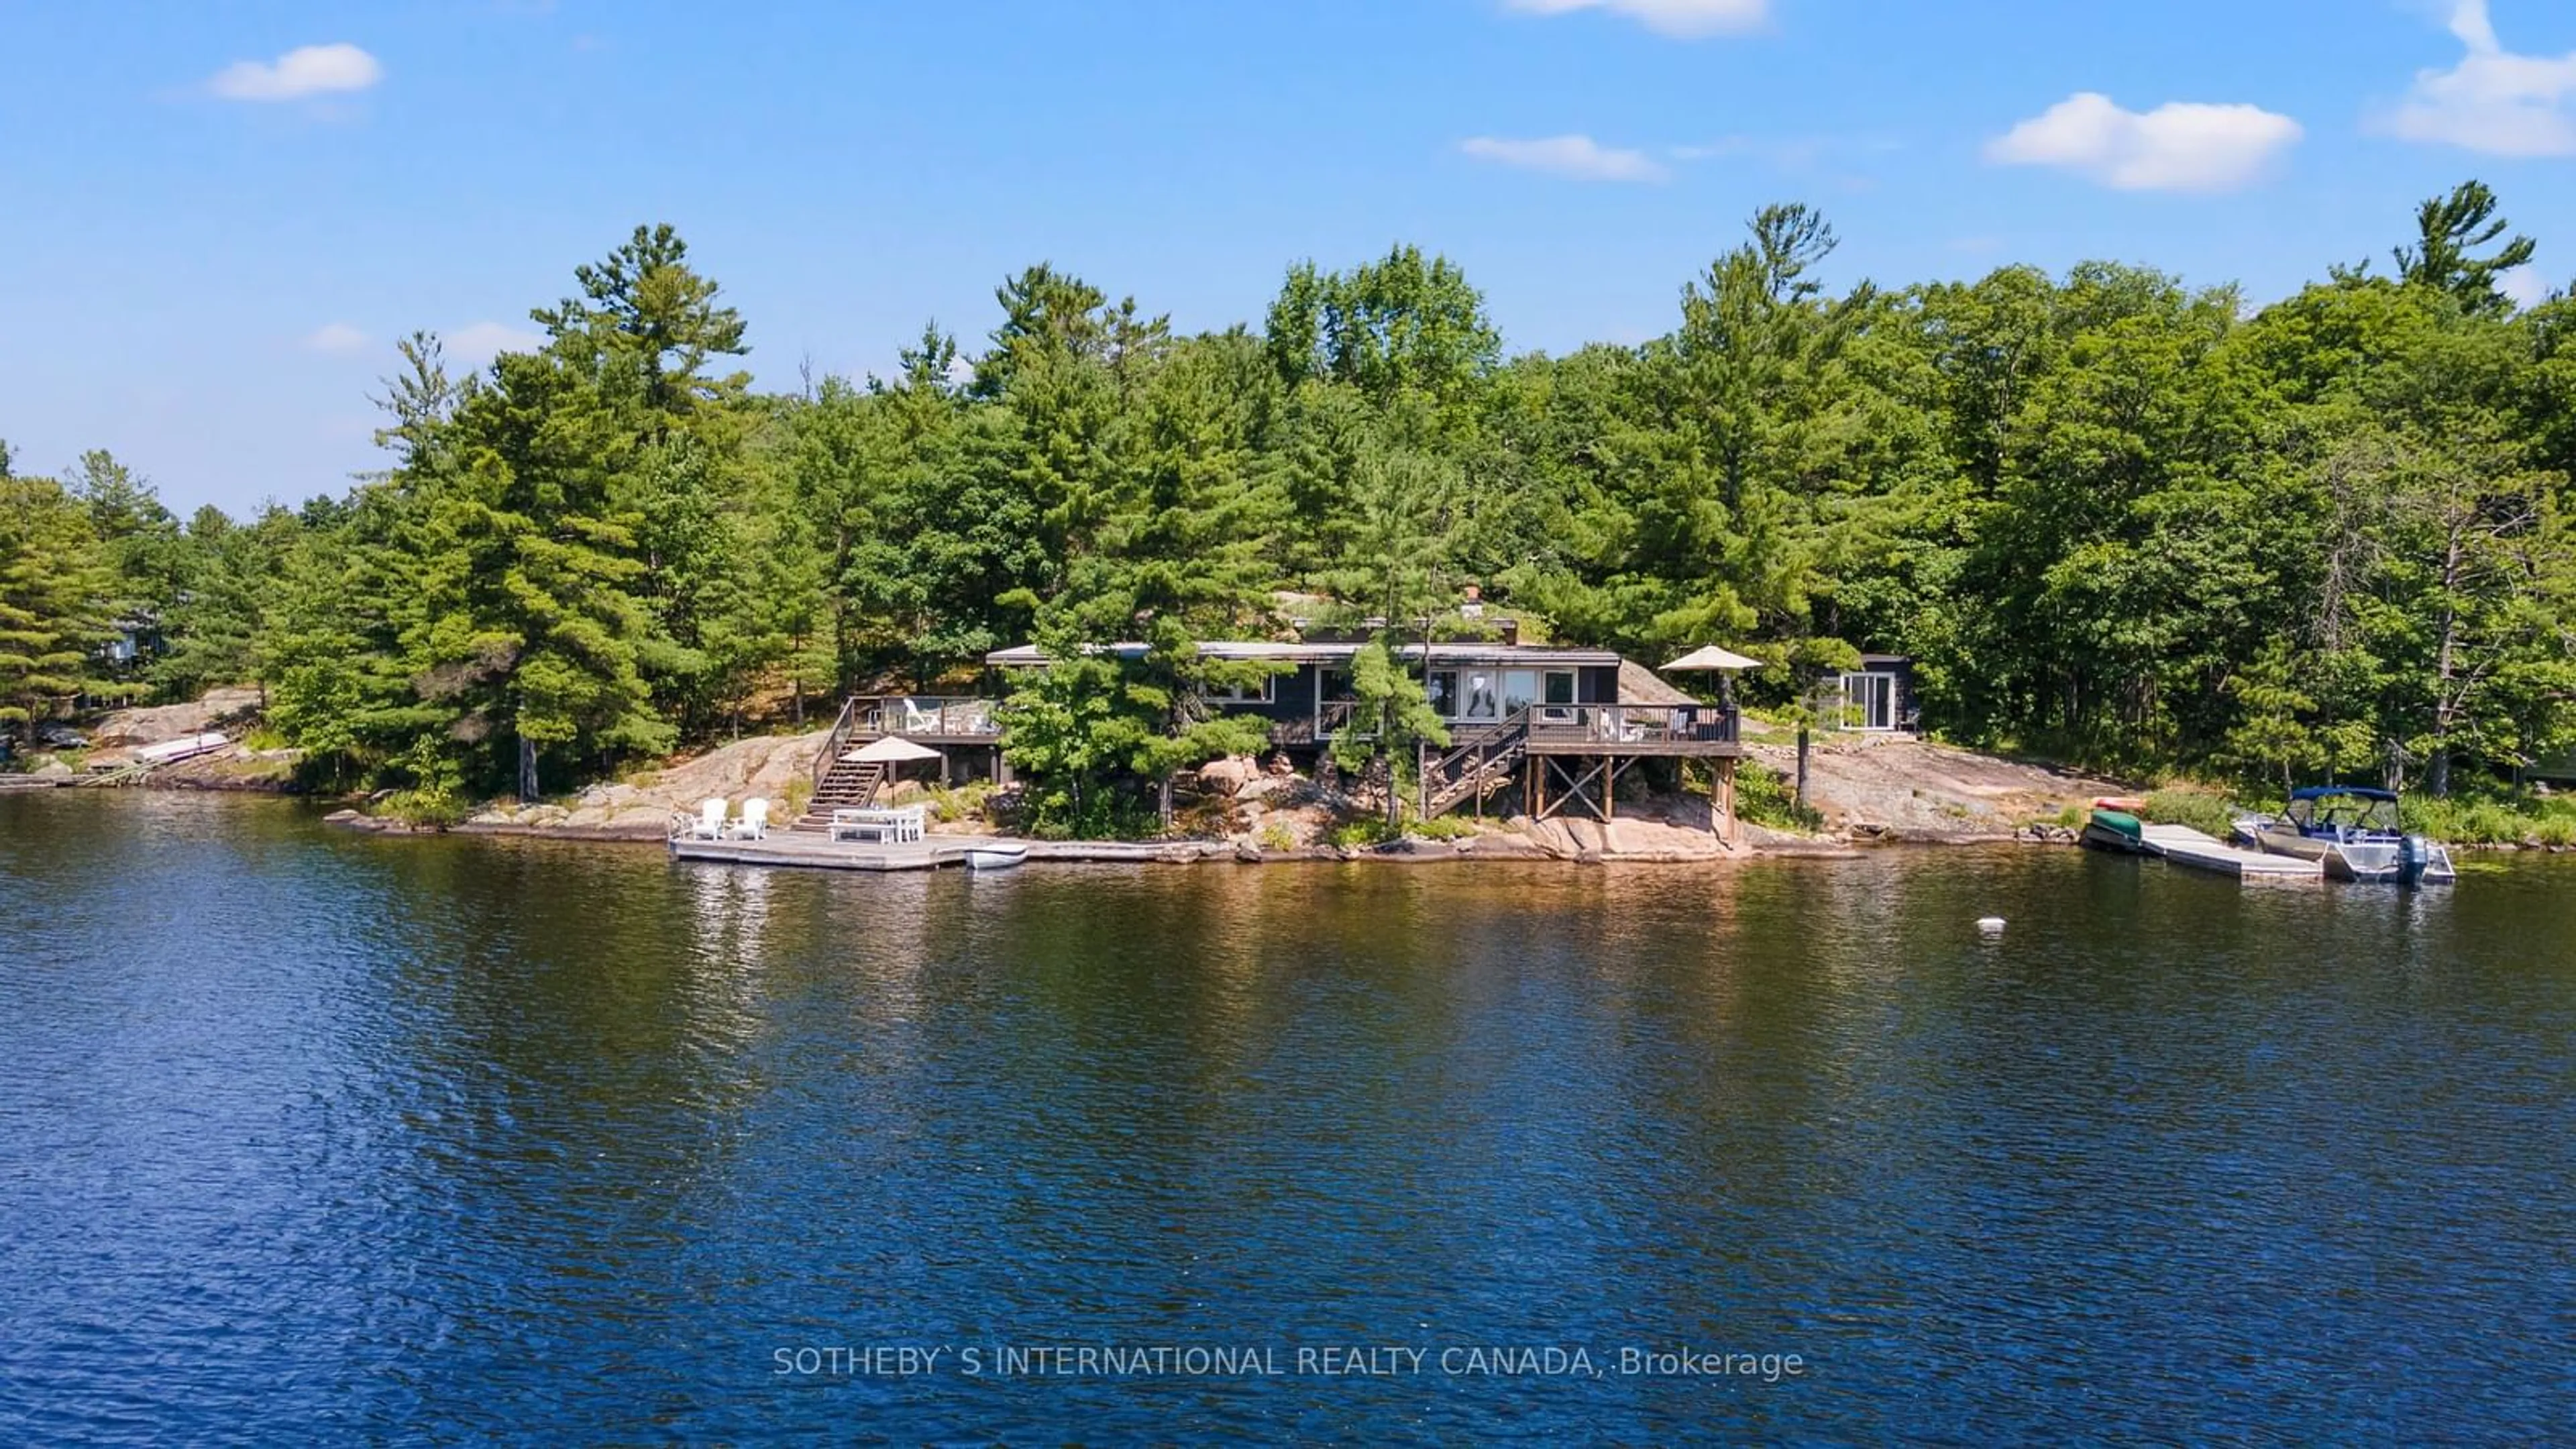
[2188, 847]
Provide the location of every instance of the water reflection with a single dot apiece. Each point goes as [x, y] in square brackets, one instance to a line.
[492, 1138]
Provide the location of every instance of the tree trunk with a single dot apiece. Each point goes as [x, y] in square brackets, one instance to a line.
[2437, 770]
[1163, 800]
[527, 771]
[1801, 798]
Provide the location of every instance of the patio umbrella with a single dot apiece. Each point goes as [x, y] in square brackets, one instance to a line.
[1711, 657]
[892, 750]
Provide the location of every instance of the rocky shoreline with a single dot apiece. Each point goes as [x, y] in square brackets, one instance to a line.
[1265, 813]
[1874, 792]
[1570, 846]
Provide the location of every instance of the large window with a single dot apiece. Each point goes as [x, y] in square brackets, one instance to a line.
[1261, 693]
[1484, 694]
[1869, 702]
[1556, 696]
[1442, 686]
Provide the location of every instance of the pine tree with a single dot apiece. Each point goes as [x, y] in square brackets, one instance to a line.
[2448, 229]
[535, 634]
[56, 593]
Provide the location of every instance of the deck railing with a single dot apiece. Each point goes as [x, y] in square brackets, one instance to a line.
[835, 742]
[1570, 723]
[1634, 724]
[1480, 757]
[932, 716]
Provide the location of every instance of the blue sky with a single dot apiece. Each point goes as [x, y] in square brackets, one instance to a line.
[219, 216]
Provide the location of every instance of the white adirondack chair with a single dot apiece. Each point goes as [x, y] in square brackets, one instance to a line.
[710, 824]
[755, 820]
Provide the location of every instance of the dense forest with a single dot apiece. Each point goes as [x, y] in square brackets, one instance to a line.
[2116, 518]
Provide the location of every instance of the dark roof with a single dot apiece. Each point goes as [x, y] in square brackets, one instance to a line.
[2358, 792]
[1640, 685]
[1461, 652]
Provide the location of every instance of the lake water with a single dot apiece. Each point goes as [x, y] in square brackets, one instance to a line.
[309, 1136]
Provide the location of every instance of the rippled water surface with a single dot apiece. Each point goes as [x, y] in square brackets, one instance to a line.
[307, 1136]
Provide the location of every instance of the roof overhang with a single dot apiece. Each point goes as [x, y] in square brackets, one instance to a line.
[1023, 656]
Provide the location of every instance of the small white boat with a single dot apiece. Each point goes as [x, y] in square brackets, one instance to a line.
[186, 747]
[995, 856]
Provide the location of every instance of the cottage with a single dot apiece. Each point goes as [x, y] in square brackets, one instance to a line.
[1559, 725]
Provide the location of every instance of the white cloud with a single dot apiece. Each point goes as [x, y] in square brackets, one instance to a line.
[2525, 285]
[308, 70]
[1580, 157]
[2180, 146]
[1682, 19]
[2493, 101]
[480, 342]
[336, 337]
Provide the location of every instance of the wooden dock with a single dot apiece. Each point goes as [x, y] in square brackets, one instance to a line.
[2185, 846]
[816, 852]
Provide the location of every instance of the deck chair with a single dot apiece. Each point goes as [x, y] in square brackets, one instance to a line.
[755, 821]
[710, 824]
[916, 720]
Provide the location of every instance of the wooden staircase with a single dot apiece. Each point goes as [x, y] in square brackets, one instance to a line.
[839, 784]
[1476, 765]
[844, 787]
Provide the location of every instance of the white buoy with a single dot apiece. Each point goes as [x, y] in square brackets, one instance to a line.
[1991, 925]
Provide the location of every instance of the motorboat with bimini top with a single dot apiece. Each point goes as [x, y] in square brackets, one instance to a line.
[2354, 832]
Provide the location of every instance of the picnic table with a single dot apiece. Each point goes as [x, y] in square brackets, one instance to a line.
[905, 823]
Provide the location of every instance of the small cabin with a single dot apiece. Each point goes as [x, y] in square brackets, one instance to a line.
[1876, 698]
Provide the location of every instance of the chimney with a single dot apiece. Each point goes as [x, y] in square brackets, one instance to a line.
[1511, 632]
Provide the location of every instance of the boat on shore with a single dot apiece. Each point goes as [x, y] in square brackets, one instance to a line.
[2354, 833]
[995, 855]
[2113, 829]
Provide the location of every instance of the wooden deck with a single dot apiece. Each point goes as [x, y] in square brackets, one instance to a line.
[2188, 847]
[933, 719]
[1699, 732]
[1663, 748]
